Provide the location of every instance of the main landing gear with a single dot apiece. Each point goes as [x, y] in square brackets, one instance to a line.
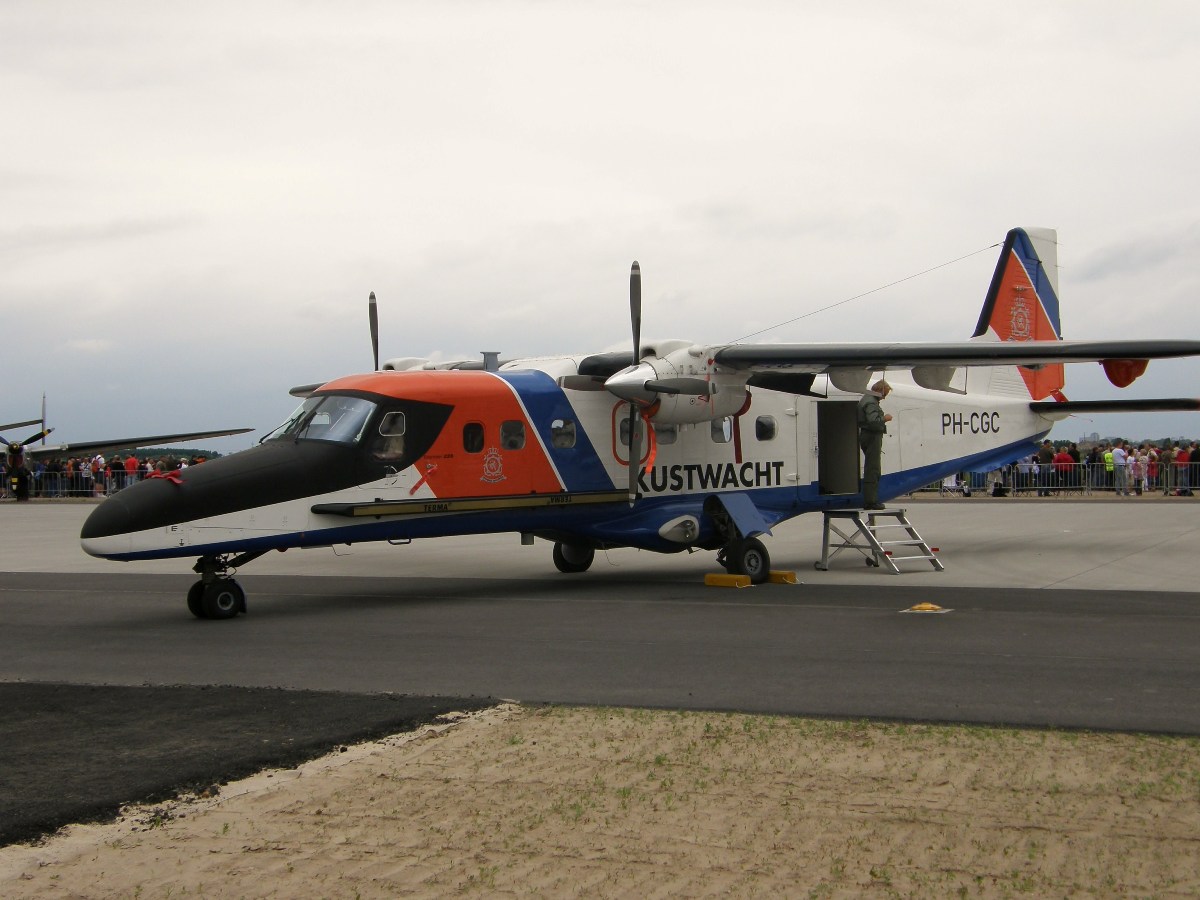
[746, 556]
[216, 595]
[572, 558]
[738, 555]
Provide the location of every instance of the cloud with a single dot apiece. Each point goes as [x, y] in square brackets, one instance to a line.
[18, 244]
[88, 345]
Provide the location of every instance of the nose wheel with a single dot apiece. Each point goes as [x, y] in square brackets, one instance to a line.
[222, 598]
[216, 595]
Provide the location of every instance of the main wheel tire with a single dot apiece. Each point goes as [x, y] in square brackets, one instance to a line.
[223, 599]
[571, 558]
[195, 600]
[750, 557]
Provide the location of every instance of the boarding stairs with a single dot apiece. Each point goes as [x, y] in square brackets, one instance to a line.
[873, 538]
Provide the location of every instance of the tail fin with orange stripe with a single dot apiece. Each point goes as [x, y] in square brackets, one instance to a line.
[1022, 302]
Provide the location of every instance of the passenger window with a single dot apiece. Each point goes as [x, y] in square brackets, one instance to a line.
[512, 435]
[722, 430]
[473, 437]
[666, 434]
[562, 433]
[764, 428]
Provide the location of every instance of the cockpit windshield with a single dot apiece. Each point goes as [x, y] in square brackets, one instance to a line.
[327, 417]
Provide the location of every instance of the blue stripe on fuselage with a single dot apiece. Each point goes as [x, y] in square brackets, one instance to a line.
[579, 466]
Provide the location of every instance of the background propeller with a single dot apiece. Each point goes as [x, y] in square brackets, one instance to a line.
[373, 315]
[15, 447]
[635, 318]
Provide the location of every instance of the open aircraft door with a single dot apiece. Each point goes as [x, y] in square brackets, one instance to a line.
[833, 446]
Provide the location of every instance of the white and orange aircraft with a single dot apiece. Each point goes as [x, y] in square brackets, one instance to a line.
[674, 446]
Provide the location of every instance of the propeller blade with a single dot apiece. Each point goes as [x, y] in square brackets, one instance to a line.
[697, 386]
[635, 309]
[373, 315]
[19, 446]
[37, 437]
[635, 318]
[635, 454]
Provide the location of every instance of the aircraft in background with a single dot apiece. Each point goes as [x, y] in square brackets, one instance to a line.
[671, 446]
[17, 452]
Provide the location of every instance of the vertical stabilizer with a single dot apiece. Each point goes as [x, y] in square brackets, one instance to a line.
[1022, 302]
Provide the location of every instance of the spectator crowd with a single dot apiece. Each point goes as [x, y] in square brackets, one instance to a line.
[1125, 469]
[94, 477]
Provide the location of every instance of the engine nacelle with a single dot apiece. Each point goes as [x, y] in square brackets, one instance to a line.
[681, 409]
[682, 388]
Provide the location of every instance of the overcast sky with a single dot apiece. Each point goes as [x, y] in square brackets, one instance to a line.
[198, 199]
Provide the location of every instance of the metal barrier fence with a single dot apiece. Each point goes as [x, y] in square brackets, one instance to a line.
[49, 484]
[1024, 479]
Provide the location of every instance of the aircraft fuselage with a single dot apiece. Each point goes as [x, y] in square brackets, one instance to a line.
[406, 455]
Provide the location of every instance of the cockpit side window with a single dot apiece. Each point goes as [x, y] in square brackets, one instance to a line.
[388, 446]
[389, 433]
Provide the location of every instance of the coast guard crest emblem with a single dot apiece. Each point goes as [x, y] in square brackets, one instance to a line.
[493, 466]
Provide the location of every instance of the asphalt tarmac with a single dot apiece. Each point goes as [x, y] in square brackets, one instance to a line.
[1069, 614]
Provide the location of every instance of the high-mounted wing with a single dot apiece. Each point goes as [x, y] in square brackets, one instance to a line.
[821, 358]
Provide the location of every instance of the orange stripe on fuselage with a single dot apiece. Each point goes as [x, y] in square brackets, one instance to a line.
[476, 397]
[1018, 315]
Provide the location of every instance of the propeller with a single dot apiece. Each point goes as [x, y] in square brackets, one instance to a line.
[15, 446]
[373, 315]
[635, 317]
[15, 451]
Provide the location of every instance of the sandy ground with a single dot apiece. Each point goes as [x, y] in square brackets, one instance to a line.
[629, 803]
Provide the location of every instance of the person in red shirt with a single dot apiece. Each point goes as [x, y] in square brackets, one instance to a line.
[1184, 484]
[1063, 464]
[131, 469]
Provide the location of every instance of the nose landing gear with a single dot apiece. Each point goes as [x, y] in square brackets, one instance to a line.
[222, 598]
[216, 595]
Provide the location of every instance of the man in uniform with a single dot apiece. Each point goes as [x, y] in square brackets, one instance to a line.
[872, 426]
